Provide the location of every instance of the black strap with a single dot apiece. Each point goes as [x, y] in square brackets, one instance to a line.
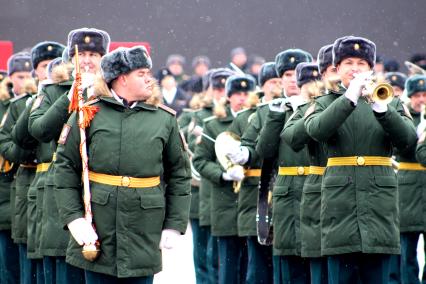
[264, 208]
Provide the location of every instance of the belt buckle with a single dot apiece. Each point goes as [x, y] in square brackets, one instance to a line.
[125, 181]
[300, 171]
[360, 161]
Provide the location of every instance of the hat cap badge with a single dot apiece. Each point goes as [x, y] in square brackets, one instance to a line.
[356, 46]
[315, 73]
[49, 48]
[421, 82]
[27, 64]
[223, 80]
[394, 78]
[243, 84]
[87, 39]
[292, 59]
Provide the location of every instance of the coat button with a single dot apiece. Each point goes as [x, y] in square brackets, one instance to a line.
[125, 181]
[300, 171]
[360, 161]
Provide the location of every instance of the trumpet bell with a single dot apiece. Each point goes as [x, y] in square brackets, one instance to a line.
[382, 93]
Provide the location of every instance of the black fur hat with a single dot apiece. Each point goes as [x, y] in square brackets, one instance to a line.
[88, 39]
[239, 83]
[3, 74]
[352, 46]
[52, 64]
[19, 62]
[325, 57]
[162, 73]
[306, 72]
[44, 51]
[267, 72]
[288, 60]
[206, 79]
[124, 60]
[414, 84]
[396, 79]
[219, 76]
[65, 55]
[391, 65]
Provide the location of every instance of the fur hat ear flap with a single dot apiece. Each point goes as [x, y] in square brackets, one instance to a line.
[325, 57]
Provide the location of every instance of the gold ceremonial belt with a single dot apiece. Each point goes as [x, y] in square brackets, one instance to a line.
[314, 170]
[359, 161]
[32, 166]
[411, 167]
[124, 180]
[252, 172]
[43, 167]
[293, 171]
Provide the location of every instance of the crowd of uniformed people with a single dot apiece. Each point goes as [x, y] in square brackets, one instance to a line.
[303, 169]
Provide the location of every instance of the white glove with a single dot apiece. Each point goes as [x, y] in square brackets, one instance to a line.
[87, 79]
[380, 108]
[296, 101]
[82, 231]
[277, 105]
[197, 131]
[169, 238]
[235, 173]
[354, 90]
[421, 128]
[238, 155]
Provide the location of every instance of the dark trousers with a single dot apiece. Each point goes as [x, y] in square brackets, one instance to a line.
[99, 278]
[27, 266]
[259, 267]
[56, 270]
[200, 238]
[319, 270]
[39, 270]
[212, 257]
[291, 269]
[395, 269]
[409, 263]
[358, 267]
[232, 259]
[9, 258]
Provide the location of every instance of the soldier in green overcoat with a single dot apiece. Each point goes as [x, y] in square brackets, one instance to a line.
[411, 180]
[15, 97]
[224, 201]
[359, 199]
[259, 267]
[131, 146]
[308, 79]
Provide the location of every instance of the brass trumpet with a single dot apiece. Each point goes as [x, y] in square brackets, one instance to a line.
[378, 92]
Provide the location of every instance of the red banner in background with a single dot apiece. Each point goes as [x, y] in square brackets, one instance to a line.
[116, 44]
[6, 50]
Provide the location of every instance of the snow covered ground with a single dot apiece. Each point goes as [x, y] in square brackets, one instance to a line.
[178, 265]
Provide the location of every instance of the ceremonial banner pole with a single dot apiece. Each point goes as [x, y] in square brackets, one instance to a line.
[85, 114]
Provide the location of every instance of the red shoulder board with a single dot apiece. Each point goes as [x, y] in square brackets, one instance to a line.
[166, 108]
